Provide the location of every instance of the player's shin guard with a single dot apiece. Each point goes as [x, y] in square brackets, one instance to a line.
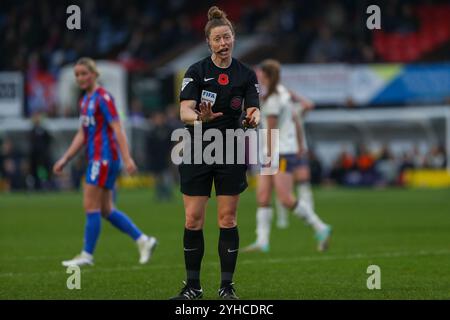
[194, 247]
[92, 230]
[122, 222]
[228, 253]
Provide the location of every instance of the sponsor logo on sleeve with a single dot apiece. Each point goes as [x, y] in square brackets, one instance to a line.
[186, 82]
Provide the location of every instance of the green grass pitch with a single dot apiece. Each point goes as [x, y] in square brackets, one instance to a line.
[405, 232]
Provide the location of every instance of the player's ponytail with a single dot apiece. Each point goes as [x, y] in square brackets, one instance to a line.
[89, 63]
[271, 68]
[217, 18]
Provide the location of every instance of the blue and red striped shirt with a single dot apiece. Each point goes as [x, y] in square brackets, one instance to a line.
[97, 112]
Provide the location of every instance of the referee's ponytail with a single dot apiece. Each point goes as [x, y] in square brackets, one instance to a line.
[217, 18]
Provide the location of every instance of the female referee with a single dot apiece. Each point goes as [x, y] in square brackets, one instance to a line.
[102, 134]
[278, 113]
[214, 93]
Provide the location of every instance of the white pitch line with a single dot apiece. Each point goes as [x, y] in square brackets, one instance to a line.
[353, 256]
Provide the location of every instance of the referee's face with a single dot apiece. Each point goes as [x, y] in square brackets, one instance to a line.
[221, 41]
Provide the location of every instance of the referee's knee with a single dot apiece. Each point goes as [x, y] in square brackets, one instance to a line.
[193, 222]
[227, 219]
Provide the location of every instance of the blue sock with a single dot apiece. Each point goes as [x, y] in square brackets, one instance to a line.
[122, 222]
[92, 230]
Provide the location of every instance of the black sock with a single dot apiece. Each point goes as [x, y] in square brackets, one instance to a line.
[228, 253]
[193, 254]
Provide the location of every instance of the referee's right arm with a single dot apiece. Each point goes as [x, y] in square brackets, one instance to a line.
[187, 111]
[188, 96]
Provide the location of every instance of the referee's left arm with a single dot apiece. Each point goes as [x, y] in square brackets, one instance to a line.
[252, 102]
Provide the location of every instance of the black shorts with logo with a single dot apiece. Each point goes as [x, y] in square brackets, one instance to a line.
[197, 173]
[197, 179]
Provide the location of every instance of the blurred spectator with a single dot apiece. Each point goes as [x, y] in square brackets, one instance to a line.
[400, 17]
[435, 159]
[77, 172]
[159, 148]
[386, 167]
[418, 160]
[288, 19]
[40, 154]
[335, 15]
[173, 117]
[315, 168]
[136, 112]
[344, 164]
[365, 163]
[325, 48]
[407, 162]
[408, 21]
[173, 122]
[11, 166]
[41, 86]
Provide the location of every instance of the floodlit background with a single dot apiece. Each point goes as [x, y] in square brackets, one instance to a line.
[379, 141]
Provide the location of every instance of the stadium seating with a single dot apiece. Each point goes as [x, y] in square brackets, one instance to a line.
[434, 31]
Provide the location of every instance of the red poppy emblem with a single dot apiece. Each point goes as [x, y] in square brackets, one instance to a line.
[223, 79]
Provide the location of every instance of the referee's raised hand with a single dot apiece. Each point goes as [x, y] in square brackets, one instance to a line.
[206, 114]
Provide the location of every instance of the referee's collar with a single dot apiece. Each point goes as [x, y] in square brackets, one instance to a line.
[211, 59]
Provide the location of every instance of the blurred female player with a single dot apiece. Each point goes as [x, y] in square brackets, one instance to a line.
[278, 113]
[302, 175]
[213, 94]
[102, 134]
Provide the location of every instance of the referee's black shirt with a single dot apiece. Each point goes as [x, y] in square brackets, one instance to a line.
[230, 90]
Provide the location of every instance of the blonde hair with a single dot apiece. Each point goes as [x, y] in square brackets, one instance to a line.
[90, 64]
[217, 18]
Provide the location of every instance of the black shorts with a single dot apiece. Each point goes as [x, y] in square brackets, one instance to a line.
[197, 179]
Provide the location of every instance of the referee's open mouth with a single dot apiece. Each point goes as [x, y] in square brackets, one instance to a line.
[224, 51]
